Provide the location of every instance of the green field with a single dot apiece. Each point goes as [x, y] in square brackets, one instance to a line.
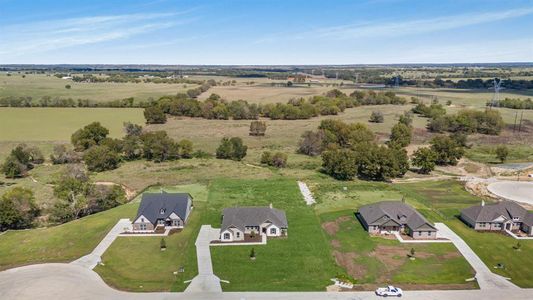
[58, 124]
[39, 85]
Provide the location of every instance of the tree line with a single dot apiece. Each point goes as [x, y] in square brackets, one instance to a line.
[513, 103]
[215, 107]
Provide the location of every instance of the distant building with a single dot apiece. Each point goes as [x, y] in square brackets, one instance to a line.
[396, 216]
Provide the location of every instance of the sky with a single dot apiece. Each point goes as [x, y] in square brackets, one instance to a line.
[265, 32]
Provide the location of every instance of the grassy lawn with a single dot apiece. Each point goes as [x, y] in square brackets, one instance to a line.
[487, 154]
[495, 248]
[63, 243]
[301, 262]
[375, 260]
[58, 124]
[138, 264]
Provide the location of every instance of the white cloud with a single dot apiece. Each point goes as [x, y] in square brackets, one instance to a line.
[409, 27]
[21, 39]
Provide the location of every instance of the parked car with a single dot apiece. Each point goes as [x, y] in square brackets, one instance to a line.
[389, 291]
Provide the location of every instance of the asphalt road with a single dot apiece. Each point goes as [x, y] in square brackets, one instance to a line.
[66, 281]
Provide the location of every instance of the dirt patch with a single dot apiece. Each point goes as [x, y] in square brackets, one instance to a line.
[336, 244]
[392, 257]
[347, 261]
[450, 255]
[333, 226]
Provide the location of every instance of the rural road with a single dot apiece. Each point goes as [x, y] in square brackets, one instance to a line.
[484, 276]
[67, 281]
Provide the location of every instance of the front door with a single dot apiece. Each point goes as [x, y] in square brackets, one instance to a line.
[508, 226]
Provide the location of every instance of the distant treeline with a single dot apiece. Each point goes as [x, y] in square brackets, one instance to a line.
[214, 107]
[511, 84]
[513, 103]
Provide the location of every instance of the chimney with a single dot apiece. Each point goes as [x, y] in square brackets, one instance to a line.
[270, 206]
[482, 202]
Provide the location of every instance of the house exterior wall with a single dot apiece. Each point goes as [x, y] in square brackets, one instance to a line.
[374, 229]
[270, 228]
[423, 235]
[230, 235]
[527, 229]
[137, 226]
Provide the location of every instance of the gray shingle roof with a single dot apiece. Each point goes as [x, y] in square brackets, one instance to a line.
[252, 216]
[161, 205]
[380, 212]
[528, 219]
[488, 213]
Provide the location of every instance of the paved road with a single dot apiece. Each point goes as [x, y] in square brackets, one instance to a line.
[485, 278]
[513, 190]
[92, 259]
[67, 281]
[205, 281]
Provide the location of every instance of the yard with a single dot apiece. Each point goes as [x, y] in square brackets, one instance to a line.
[372, 261]
[300, 262]
[63, 243]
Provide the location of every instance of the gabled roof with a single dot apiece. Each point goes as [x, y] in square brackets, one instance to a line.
[487, 213]
[161, 205]
[528, 220]
[380, 212]
[240, 217]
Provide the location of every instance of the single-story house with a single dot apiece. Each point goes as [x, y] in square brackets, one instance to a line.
[396, 216]
[162, 211]
[240, 221]
[505, 215]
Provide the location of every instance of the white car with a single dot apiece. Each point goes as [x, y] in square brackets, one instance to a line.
[389, 291]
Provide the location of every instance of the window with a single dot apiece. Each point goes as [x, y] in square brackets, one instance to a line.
[142, 220]
[420, 233]
[238, 234]
[161, 221]
[142, 226]
[226, 236]
[273, 231]
[162, 211]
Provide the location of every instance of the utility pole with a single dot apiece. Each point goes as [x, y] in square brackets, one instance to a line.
[520, 124]
[515, 117]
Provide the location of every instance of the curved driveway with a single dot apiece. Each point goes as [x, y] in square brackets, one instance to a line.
[513, 190]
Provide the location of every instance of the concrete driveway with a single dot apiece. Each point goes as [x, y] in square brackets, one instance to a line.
[485, 278]
[205, 281]
[92, 259]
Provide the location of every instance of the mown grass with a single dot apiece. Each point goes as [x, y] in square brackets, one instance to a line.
[300, 262]
[435, 264]
[63, 243]
[496, 248]
[138, 264]
[487, 154]
[58, 124]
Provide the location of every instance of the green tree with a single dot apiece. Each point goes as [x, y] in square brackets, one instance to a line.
[154, 115]
[185, 148]
[159, 147]
[312, 143]
[257, 128]
[400, 135]
[231, 148]
[132, 147]
[502, 152]
[340, 163]
[424, 159]
[376, 117]
[266, 158]
[17, 209]
[447, 150]
[13, 168]
[90, 135]
[132, 129]
[101, 158]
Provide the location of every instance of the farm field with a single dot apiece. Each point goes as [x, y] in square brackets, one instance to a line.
[58, 124]
[39, 85]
